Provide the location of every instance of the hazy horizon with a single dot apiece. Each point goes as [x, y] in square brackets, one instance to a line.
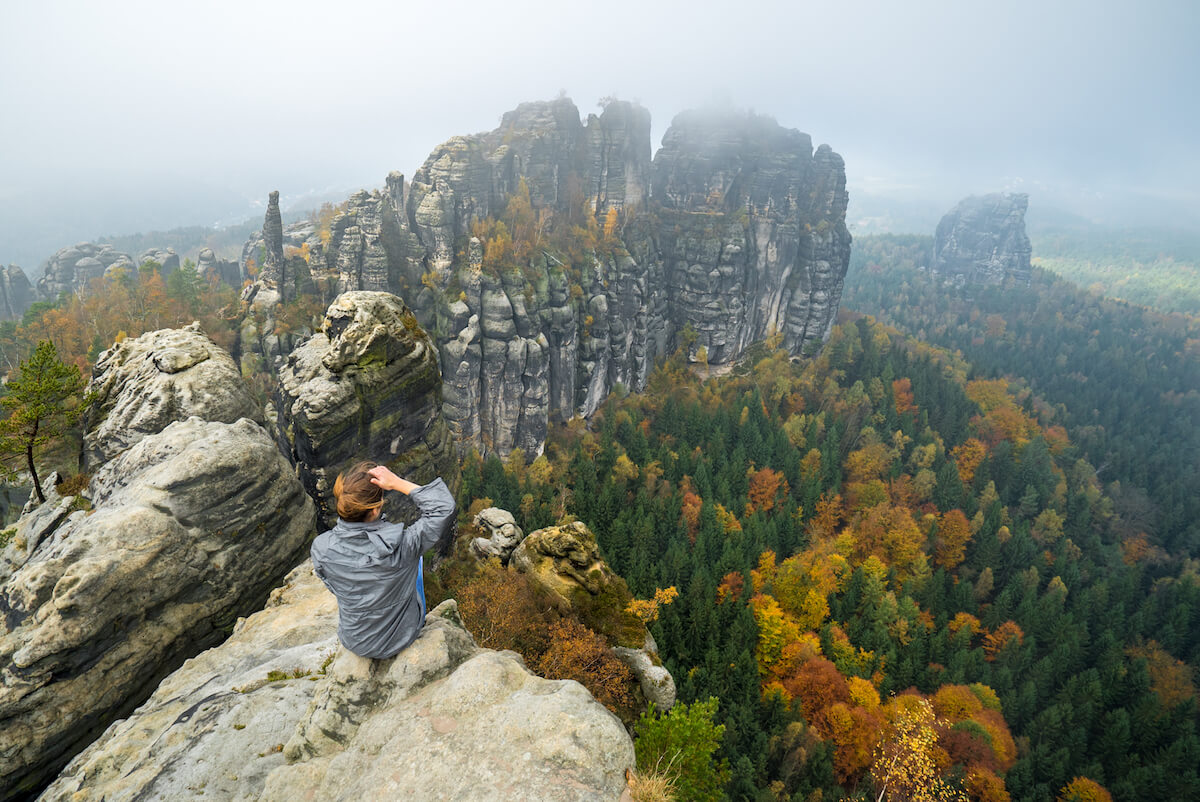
[138, 116]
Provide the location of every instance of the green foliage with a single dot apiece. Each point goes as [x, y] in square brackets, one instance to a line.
[833, 422]
[683, 744]
[186, 287]
[42, 402]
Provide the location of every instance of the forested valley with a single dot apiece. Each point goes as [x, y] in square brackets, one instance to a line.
[953, 556]
[982, 511]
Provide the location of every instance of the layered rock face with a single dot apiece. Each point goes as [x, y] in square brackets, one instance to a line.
[16, 293]
[366, 387]
[142, 385]
[189, 528]
[736, 229]
[279, 712]
[753, 232]
[982, 240]
[72, 269]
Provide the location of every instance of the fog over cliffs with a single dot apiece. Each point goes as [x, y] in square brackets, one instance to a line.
[135, 123]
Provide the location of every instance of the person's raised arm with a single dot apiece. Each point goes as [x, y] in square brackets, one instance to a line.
[434, 500]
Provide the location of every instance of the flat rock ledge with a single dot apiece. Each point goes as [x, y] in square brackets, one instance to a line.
[281, 712]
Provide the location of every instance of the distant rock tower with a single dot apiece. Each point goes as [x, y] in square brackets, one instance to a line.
[982, 240]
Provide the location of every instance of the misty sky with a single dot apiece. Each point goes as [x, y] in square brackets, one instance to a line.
[147, 114]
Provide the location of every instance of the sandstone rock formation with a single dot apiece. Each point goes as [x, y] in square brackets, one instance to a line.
[736, 229]
[72, 269]
[753, 231]
[503, 534]
[565, 562]
[982, 240]
[210, 267]
[166, 259]
[141, 385]
[366, 387]
[279, 712]
[16, 293]
[189, 528]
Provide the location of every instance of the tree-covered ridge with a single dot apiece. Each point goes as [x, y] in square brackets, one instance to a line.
[872, 550]
[1124, 379]
[1161, 283]
[1158, 268]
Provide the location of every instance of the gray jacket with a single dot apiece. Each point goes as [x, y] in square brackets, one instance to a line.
[372, 569]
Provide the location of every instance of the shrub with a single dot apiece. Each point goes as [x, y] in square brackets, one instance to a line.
[684, 740]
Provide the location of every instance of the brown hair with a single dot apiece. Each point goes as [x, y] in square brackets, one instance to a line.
[357, 496]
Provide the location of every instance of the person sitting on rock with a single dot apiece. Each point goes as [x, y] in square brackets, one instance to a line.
[373, 566]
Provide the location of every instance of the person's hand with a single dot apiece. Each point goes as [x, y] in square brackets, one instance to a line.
[384, 478]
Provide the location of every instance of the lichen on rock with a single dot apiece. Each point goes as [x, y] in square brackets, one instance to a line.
[366, 387]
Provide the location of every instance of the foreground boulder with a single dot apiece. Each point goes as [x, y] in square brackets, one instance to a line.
[279, 712]
[189, 528]
[366, 387]
[982, 240]
[144, 384]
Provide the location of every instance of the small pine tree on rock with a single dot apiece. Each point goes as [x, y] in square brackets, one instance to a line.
[43, 401]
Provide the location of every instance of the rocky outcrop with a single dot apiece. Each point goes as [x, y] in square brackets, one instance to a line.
[72, 269]
[141, 385]
[188, 529]
[366, 387]
[736, 230]
[165, 258]
[565, 562]
[982, 240]
[753, 232]
[279, 712]
[272, 268]
[211, 268]
[503, 534]
[16, 293]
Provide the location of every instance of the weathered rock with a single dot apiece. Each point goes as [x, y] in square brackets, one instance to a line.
[658, 686]
[272, 272]
[503, 534]
[191, 527]
[366, 387]
[143, 384]
[72, 269]
[753, 231]
[737, 229]
[270, 716]
[166, 259]
[745, 236]
[16, 293]
[982, 240]
[211, 268]
[565, 562]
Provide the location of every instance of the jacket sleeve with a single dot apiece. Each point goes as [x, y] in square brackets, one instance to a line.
[318, 567]
[437, 510]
